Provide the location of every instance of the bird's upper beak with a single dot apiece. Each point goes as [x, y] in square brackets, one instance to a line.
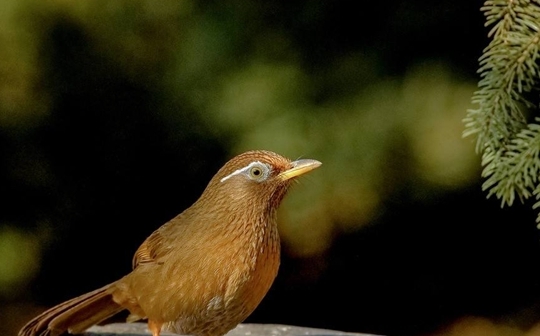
[299, 167]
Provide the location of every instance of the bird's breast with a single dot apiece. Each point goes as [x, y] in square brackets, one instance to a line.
[207, 285]
[235, 282]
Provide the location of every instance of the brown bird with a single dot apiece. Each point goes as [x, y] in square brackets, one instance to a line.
[204, 271]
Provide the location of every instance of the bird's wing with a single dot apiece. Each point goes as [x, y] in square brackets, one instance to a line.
[150, 250]
[160, 242]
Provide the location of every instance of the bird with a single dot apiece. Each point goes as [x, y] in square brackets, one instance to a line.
[204, 271]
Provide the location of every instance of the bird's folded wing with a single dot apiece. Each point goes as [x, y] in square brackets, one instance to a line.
[150, 250]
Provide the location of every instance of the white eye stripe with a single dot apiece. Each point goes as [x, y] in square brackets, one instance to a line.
[243, 170]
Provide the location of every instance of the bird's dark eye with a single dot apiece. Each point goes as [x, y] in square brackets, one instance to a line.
[258, 171]
[255, 171]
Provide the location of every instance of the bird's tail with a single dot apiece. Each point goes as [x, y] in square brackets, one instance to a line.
[75, 315]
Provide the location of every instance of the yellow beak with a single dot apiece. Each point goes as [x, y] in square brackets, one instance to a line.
[299, 167]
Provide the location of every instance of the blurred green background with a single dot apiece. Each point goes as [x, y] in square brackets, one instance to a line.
[115, 114]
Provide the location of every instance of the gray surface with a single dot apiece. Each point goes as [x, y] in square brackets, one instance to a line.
[137, 329]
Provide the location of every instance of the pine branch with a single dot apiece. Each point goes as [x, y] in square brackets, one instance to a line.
[515, 171]
[508, 70]
[537, 204]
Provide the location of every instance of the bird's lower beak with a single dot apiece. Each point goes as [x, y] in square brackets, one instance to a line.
[299, 167]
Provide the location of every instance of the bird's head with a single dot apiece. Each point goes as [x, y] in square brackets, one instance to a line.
[255, 179]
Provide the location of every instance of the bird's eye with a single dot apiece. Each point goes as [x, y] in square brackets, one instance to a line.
[255, 171]
[258, 171]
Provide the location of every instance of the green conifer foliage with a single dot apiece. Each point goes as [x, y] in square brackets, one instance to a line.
[509, 72]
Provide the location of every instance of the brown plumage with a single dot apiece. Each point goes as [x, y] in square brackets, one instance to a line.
[204, 271]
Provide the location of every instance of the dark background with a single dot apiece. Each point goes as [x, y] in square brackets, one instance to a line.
[114, 115]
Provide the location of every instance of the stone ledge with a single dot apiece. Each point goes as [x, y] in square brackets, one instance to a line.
[247, 329]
